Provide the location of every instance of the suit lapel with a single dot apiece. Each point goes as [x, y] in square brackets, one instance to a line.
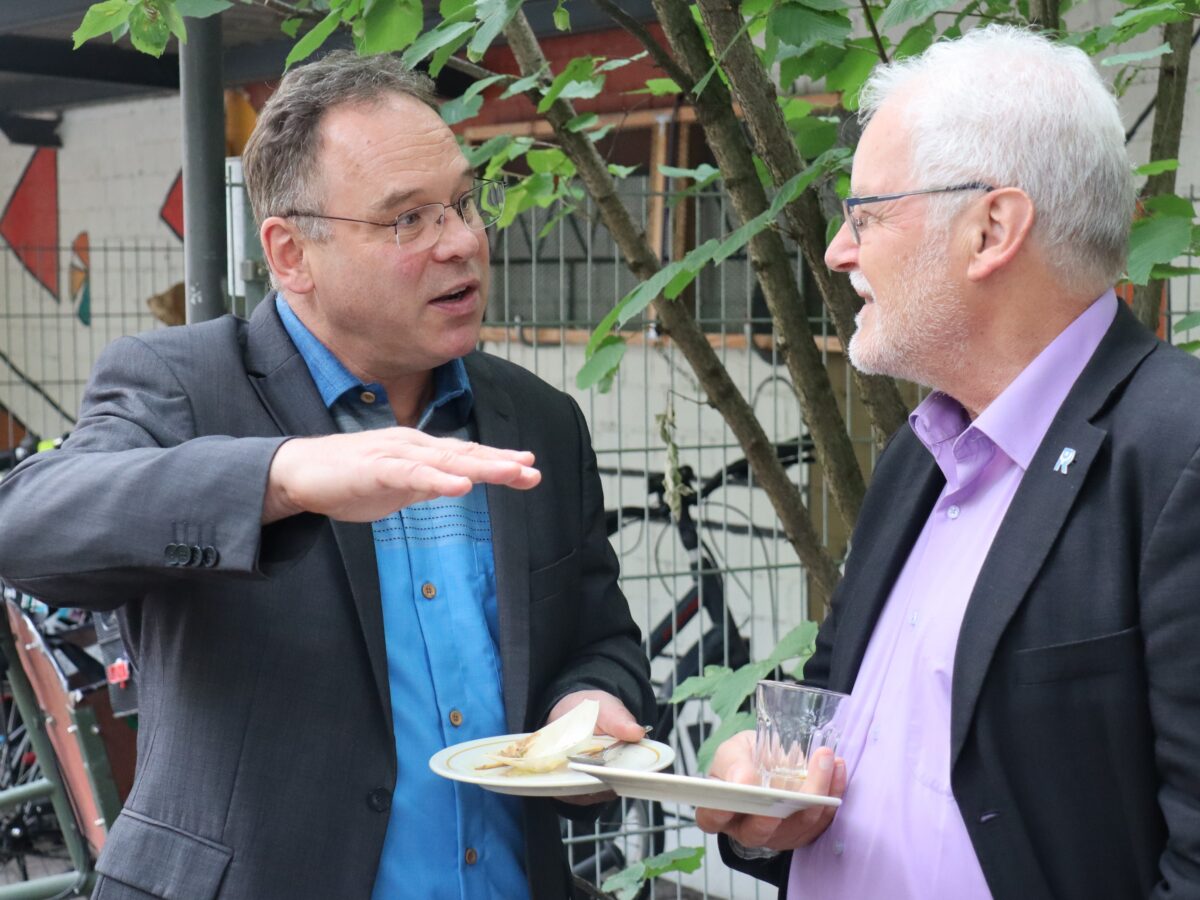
[1037, 513]
[900, 503]
[285, 386]
[508, 510]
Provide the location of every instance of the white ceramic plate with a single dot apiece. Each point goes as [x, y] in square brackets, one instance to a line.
[708, 792]
[461, 763]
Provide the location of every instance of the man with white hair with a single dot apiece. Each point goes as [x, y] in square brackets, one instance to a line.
[1019, 615]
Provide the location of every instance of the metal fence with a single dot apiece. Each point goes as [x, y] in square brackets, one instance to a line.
[548, 291]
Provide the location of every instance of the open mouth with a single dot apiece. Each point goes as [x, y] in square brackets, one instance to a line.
[454, 296]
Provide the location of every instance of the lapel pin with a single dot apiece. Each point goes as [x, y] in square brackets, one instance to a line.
[1065, 459]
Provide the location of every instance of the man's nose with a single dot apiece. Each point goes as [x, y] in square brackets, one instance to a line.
[842, 253]
[456, 239]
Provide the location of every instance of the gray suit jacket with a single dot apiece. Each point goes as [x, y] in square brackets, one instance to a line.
[1075, 700]
[266, 762]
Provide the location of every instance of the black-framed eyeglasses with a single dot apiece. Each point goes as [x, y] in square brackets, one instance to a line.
[419, 228]
[857, 224]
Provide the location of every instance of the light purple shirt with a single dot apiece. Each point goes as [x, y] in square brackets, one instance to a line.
[899, 833]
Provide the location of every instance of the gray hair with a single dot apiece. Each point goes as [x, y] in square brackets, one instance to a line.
[280, 160]
[1009, 107]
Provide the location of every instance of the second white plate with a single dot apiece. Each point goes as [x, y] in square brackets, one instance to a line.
[708, 792]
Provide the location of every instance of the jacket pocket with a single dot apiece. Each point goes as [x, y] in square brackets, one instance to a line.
[162, 860]
[554, 578]
[1079, 659]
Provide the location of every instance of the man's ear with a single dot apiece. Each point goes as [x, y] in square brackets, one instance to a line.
[283, 247]
[999, 228]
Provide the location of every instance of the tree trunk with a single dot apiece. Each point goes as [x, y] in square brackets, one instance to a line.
[774, 144]
[1164, 144]
[768, 255]
[713, 377]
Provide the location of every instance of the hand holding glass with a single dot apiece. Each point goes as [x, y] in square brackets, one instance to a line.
[793, 722]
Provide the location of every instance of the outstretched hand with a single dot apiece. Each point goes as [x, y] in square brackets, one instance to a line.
[368, 475]
[734, 762]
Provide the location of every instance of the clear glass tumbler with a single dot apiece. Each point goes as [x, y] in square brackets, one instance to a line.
[794, 721]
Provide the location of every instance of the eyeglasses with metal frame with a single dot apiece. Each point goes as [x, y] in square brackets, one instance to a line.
[419, 228]
[856, 225]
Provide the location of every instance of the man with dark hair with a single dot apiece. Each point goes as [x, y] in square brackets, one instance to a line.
[1018, 621]
[330, 548]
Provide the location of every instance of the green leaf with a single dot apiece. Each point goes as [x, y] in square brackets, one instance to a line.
[621, 63]
[700, 685]
[148, 28]
[814, 135]
[621, 171]
[803, 28]
[918, 39]
[1121, 59]
[1163, 272]
[1157, 167]
[201, 9]
[291, 26]
[850, 75]
[600, 132]
[728, 728]
[832, 227]
[477, 156]
[794, 108]
[390, 25]
[582, 122]
[307, 45]
[626, 884]
[521, 85]
[120, 31]
[703, 175]
[469, 104]
[901, 11]
[174, 21]
[578, 71]
[601, 364]
[1187, 323]
[493, 16]
[1189, 347]
[101, 18]
[435, 38]
[1156, 240]
[552, 160]
[562, 18]
[1170, 205]
[825, 5]
[659, 87]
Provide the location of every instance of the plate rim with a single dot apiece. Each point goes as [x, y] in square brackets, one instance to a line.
[664, 779]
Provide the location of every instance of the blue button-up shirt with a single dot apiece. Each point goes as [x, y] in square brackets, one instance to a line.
[437, 578]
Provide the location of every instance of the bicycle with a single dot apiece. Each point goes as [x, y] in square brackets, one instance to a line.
[628, 831]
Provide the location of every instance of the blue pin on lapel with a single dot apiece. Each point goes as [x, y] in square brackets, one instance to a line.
[1065, 459]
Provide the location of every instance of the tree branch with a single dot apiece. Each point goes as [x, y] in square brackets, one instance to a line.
[874, 31]
[774, 144]
[1164, 144]
[661, 57]
[714, 378]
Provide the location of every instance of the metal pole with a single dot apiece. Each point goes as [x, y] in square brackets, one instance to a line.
[200, 88]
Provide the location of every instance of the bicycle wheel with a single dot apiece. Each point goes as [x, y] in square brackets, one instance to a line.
[626, 832]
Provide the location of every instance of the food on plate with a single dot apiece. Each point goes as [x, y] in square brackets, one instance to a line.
[548, 748]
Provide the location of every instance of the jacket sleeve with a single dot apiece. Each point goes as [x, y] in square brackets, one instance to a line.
[1169, 592]
[608, 655]
[105, 517]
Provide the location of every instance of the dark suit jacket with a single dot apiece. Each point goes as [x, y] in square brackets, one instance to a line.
[1075, 719]
[266, 761]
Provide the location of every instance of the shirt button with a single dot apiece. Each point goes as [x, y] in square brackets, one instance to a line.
[380, 800]
[953, 512]
[367, 396]
[912, 620]
[455, 718]
[838, 848]
[471, 857]
[428, 591]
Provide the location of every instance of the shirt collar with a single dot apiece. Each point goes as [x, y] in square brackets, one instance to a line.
[1018, 419]
[452, 394]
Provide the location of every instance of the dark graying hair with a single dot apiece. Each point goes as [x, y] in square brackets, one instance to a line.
[280, 160]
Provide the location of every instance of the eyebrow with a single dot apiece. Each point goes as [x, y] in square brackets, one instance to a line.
[394, 200]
